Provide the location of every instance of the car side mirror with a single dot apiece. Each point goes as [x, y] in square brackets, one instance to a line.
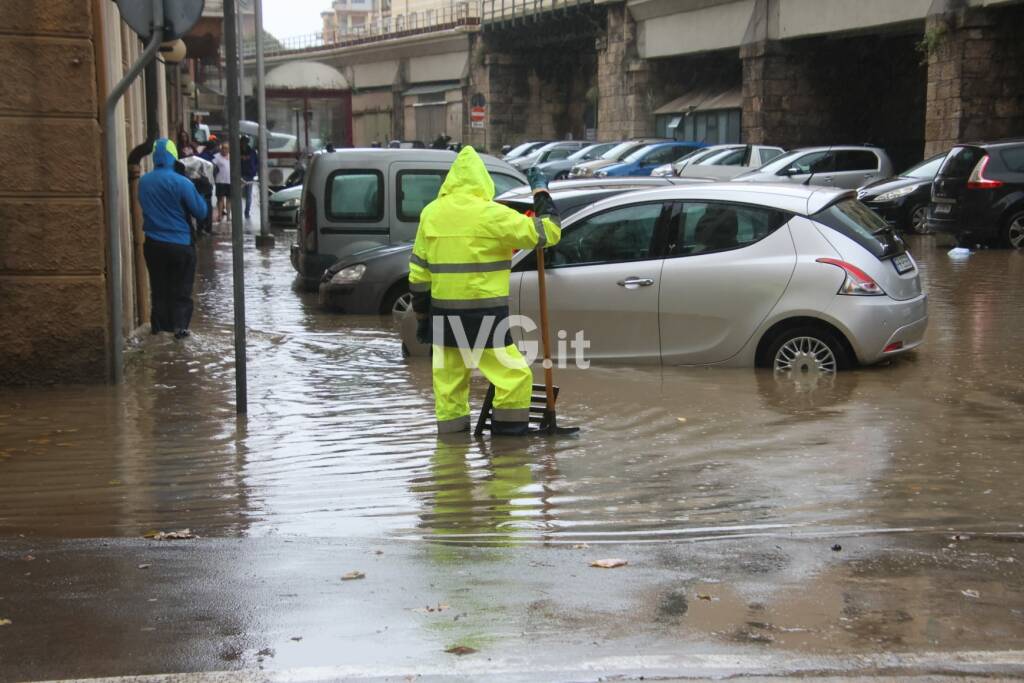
[790, 171]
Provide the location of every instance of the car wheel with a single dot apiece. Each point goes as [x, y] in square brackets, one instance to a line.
[1013, 233]
[803, 351]
[396, 302]
[917, 219]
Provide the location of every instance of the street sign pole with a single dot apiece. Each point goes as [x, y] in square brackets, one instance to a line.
[264, 239]
[237, 243]
[240, 23]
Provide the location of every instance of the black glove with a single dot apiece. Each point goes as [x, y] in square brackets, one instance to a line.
[537, 179]
[423, 332]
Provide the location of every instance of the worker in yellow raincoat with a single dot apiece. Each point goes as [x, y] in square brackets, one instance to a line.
[459, 276]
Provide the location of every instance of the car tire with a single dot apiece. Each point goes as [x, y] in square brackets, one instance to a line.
[917, 220]
[396, 301]
[1013, 231]
[807, 349]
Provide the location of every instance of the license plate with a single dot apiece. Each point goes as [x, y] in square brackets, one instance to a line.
[943, 208]
[902, 263]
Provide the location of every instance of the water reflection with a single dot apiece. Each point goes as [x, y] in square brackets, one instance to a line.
[340, 438]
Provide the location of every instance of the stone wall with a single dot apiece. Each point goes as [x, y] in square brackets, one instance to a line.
[52, 287]
[975, 76]
[625, 96]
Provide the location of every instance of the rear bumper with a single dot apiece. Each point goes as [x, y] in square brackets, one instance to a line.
[873, 324]
[961, 223]
[282, 217]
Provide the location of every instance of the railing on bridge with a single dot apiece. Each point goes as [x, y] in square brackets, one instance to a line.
[506, 10]
[457, 14]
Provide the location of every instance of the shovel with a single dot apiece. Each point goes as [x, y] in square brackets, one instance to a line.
[549, 423]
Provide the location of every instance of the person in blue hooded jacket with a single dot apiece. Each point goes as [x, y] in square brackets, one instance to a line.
[168, 199]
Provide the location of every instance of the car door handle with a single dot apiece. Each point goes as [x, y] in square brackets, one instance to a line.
[635, 282]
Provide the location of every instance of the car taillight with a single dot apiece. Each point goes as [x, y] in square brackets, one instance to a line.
[977, 179]
[309, 237]
[857, 282]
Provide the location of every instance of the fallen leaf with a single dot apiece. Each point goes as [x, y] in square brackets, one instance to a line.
[28, 558]
[704, 596]
[681, 419]
[440, 607]
[144, 566]
[353, 575]
[609, 564]
[179, 535]
[971, 593]
[5, 622]
[296, 638]
[378, 552]
[460, 650]
[116, 482]
[581, 546]
[836, 548]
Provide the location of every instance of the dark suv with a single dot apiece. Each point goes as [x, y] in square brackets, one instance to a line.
[978, 194]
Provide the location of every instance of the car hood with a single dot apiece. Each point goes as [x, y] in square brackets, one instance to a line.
[286, 194]
[879, 186]
[369, 255]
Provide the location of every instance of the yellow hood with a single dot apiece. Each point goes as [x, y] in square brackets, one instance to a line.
[468, 176]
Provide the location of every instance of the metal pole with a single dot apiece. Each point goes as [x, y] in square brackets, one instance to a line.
[240, 23]
[264, 239]
[114, 284]
[237, 264]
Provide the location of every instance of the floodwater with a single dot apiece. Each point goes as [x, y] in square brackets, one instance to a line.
[869, 523]
[339, 440]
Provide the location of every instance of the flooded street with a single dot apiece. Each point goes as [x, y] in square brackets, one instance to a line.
[726, 489]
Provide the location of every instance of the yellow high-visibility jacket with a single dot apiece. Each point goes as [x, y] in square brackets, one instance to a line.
[463, 251]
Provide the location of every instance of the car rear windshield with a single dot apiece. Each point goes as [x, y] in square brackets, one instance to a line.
[1013, 159]
[852, 219]
[960, 162]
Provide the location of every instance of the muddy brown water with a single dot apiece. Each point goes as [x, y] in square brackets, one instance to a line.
[339, 440]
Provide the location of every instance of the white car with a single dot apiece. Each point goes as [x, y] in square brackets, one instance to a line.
[720, 162]
[800, 279]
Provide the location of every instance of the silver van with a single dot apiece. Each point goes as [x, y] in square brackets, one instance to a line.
[355, 199]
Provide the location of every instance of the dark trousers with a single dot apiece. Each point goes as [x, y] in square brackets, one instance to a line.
[172, 270]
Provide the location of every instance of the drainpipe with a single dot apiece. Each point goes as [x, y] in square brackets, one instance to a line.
[113, 195]
[135, 158]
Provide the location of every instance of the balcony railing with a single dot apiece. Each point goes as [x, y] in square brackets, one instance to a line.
[507, 10]
[457, 14]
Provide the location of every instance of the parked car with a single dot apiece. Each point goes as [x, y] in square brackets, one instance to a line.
[523, 149]
[355, 199]
[903, 201]
[978, 194]
[377, 280]
[799, 279]
[284, 207]
[553, 151]
[729, 163]
[845, 166]
[559, 170]
[674, 167]
[645, 160]
[616, 154]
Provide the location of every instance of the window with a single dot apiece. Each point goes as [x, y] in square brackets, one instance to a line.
[925, 170]
[503, 183]
[815, 162]
[557, 154]
[615, 236]
[416, 189]
[862, 225]
[1014, 159]
[733, 158]
[664, 155]
[706, 227]
[856, 160]
[355, 196]
[769, 153]
[960, 162]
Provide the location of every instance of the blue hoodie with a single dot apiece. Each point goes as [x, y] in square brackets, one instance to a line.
[168, 198]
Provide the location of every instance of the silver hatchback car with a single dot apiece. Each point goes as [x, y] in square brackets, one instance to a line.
[801, 279]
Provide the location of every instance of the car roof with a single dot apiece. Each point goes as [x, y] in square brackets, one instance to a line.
[1006, 142]
[559, 186]
[841, 148]
[804, 200]
[372, 155]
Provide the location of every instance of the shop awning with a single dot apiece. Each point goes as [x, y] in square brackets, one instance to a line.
[703, 100]
[432, 88]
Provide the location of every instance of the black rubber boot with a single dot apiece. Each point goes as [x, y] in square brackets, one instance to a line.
[499, 428]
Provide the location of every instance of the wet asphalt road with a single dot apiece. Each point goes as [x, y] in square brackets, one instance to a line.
[724, 489]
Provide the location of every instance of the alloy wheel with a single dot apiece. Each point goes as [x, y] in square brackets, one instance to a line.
[1015, 233]
[804, 356]
[919, 220]
[401, 307]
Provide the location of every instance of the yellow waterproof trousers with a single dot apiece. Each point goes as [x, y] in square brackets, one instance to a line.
[505, 368]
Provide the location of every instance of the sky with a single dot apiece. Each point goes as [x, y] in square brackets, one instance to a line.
[286, 18]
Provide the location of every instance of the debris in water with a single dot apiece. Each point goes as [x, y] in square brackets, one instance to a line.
[460, 650]
[296, 638]
[144, 566]
[959, 252]
[28, 558]
[681, 419]
[836, 548]
[179, 535]
[5, 622]
[581, 546]
[971, 593]
[428, 609]
[353, 575]
[705, 597]
[609, 564]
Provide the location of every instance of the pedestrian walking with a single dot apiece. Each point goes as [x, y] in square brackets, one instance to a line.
[222, 173]
[459, 278]
[168, 200]
[250, 164]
